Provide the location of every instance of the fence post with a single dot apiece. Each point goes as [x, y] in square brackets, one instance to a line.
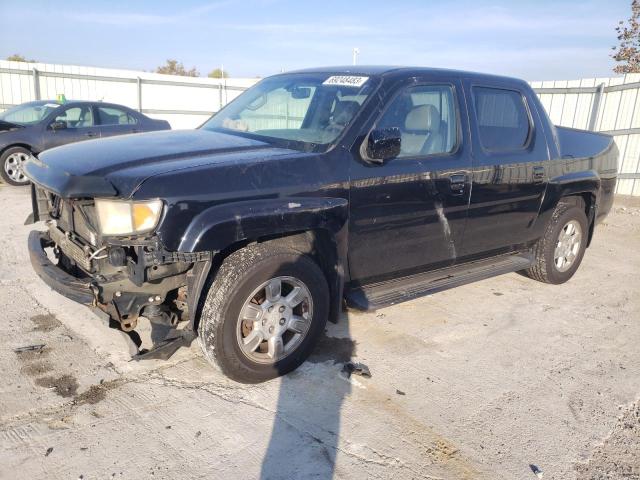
[595, 108]
[36, 83]
[220, 95]
[139, 83]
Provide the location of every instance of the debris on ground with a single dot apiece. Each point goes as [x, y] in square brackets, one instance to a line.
[537, 472]
[400, 392]
[48, 452]
[356, 369]
[29, 348]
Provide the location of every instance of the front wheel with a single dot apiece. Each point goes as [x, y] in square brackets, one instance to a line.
[12, 161]
[264, 312]
[557, 255]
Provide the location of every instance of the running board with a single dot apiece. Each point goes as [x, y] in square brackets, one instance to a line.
[384, 294]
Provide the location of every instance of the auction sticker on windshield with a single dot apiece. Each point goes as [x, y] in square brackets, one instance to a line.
[345, 81]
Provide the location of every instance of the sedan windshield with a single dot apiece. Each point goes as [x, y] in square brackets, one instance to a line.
[301, 111]
[28, 113]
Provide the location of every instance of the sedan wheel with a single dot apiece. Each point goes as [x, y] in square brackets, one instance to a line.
[13, 161]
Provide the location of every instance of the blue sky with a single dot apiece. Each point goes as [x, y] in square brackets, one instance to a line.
[535, 40]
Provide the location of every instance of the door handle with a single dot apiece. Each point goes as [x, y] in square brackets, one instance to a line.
[538, 174]
[457, 182]
[90, 134]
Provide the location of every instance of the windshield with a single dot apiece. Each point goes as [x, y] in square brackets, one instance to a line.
[28, 113]
[301, 111]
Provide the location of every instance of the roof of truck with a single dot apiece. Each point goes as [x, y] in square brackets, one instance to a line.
[402, 71]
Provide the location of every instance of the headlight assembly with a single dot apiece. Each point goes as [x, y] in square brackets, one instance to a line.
[118, 217]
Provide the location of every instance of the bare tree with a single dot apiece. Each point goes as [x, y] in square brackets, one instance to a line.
[174, 67]
[19, 58]
[627, 54]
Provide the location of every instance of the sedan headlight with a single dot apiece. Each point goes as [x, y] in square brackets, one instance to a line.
[117, 217]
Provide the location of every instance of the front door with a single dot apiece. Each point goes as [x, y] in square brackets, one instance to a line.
[78, 123]
[509, 168]
[408, 214]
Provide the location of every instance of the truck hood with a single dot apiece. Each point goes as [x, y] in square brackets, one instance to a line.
[117, 166]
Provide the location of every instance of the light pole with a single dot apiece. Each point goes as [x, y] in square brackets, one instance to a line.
[356, 52]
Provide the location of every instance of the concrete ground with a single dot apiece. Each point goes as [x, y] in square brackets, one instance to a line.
[503, 379]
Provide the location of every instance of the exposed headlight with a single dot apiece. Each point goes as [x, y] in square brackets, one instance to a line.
[117, 217]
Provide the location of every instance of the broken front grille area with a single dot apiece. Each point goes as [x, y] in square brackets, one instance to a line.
[70, 225]
[81, 256]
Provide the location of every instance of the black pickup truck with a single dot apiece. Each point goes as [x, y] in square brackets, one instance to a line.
[373, 185]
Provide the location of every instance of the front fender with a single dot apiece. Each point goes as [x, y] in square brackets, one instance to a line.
[220, 226]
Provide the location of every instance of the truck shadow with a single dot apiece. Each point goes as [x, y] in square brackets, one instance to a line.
[306, 430]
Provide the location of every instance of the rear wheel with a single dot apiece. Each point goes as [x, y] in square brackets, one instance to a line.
[557, 255]
[12, 161]
[263, 313]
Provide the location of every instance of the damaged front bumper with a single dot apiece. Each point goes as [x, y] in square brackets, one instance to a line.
[59, 280]
[122, 300]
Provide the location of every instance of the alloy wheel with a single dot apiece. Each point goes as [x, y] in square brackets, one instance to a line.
[567, 246]
[13, 166]
[274, 320]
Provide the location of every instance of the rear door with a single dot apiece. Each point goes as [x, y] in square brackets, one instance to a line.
[408, 214]
[509, 167]
[115, 121]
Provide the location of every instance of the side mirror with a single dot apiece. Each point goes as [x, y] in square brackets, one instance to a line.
[58, 125]
[383, 144]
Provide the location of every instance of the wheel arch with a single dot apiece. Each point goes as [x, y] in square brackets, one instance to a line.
[17, 144]
[586, 201]
[325, 247]
[577, 188]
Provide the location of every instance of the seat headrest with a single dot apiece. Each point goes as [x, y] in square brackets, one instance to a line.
[423, 118]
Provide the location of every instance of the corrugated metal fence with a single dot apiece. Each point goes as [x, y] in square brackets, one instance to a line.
[185, 102]
[608, 105]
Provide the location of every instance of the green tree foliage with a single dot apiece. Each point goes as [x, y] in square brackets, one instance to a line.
[218, 73]
[627, 54]
[174, 67]
[19, 58]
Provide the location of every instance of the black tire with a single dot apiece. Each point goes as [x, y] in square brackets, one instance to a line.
[238, 276]
[544, 268]
[4, 159]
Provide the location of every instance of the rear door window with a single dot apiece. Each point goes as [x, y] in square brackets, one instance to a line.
[502, 118]
[115, 116]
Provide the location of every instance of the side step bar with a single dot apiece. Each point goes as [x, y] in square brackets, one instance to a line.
[384, 294]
